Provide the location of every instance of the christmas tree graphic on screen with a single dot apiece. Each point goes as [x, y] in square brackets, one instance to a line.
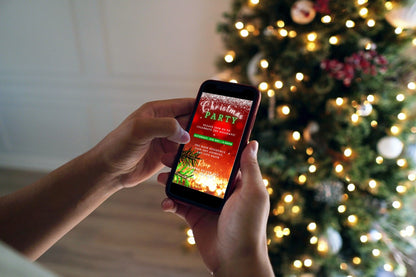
[207, 160]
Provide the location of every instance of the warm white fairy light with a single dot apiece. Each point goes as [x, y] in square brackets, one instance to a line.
[361, 2]
[388, 5]
[322, 246]
[408, 231]
[326, 19]
[371, 23]
[401, 162]
[411, 177]
[356, 260]
[372, 183]
[376, 252]
[370, 98]
[296, 135]
[312, 36]
[394, 130]
[285, 110]
[355, 117]
[264, 63]
[388, 267]
[295, 209]
[263, 86]
[313, 240]
[307, 263]
[339, 168]
[348, 152]
[233, 81]
[312, 168]
[349, 23]
[352, 219]
[402, 116]
[278, 84]
[414, 41]
[311, 227]
[229, 57]
[400, 97]
[333, 40]
[288, 198]
[302, 179]
[342, 209]
[363, 12]
[270, 93]
[401, 189]
[364, 238]
[411, 85]
[190, 239]
[351, 187]
[396, 204]
[254, 2]
[283, 32]
[292, 34]
[280, 23]
[343, 266]
[297, 264]
[239, 25]
[299, 76]
[339, 101]
[398, 30]
[244, 33]
[374, 123]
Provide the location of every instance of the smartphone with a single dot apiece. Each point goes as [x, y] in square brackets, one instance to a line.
[220, 126]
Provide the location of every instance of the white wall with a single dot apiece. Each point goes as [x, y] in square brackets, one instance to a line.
[71, 70]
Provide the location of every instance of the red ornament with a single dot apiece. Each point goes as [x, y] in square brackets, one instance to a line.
[322, 6]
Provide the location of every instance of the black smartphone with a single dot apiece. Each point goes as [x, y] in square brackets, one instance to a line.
[220, 126]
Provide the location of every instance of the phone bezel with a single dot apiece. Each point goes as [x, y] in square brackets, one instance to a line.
[195, 197]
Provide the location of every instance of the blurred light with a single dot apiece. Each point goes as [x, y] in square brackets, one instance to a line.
[361, 2]
[371, 23]
[376, 252]
[292, 34]
[400, 97]
[313, 240]
[363, 12]
[283, 32]
[312, 36]
[388, 5]
[288, 198]
[311, 46]
[244, 33]
[299, 76]
[296, 135]
[333, 40]
[342, 209]
[364, 238]
[398, 30]
[339, 101]
[311, 226]
[411, 177]
[278, 84]
[388, 267]
[348, 152]
[229, 57]
[266, 182]
[339, 168]
[374, 123]
[394, 130]
[401, 162]
[302, 179]
[191, 240]
[401, 116]
[280, 23]
[326, 19]
[233, 81]
[396, 204]
[285, 110]
[379, 160]
[370, 98]
[295, 209]
[401, 189]
[309, 151]
[263, 86]
[293, 88]
[307, 262]
[411, 85]
[270, 93]
[297, 264]
[355, 117]
[372, 184]
[322, 246]
[351, 187]
[352, 219]
[356, 260]
[312, 168]
[254, 2]
[349, 23]
[239, 25]
[264, 63]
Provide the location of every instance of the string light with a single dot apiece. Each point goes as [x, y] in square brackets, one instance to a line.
[396, 204]
[293, 88]
[333, 40]
[354, 118]
[288, 198]
[307, 262]
[356, 260]
[191, 238]
[401, 162]
[322, 246]
[309, 151]
[349, 23]
[280, 23]
[352, 219]
[270, 93]
[299, 76]
[295, 209]
[311, 46]
[376, 252]
[414, 41]
[374, 123]
[372, 183]
[297, 264]
[263, 86]
[339, 101]
[229, 57]
[312, 168]
[285, 110]
[244, 33]
[379, 160]
[326, 19]
[339, 168]
[348, 152]
[408, 231]
[411, 177]
[401, 116]
[254, 2]
[361, 2]
[302, 179]
[313, 240]
[264, 63]
[400, 97]
[394, 130]
[371, 23]
[388, 267]
[411, 85]
[388, 5]
[342, 209]
[398, 30]
[292, 34]
[278, 84]
[239, 25]
[296, 135]
[364, 238]
[370, 98]
[363, 12]
[312, 36]
[233, 81]
[283, 32]
[266, 182]
[401, 189]
[311, 227]
[351, 187]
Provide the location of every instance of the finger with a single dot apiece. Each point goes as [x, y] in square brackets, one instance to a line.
[163, 178]
[171, 206]
[168, 159]
[250, 171]
[168, 108]
[145, 130]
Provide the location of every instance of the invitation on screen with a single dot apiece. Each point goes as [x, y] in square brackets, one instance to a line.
[206, 162]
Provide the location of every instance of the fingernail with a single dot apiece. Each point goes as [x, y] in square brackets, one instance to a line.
[254, 149]
[168, 205]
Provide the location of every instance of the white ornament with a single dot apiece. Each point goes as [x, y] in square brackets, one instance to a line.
[333, 239]
[253, 69]
[303, 12]
[390, 147]
[404, 16]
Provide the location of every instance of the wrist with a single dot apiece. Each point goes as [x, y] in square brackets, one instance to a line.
[249, 265]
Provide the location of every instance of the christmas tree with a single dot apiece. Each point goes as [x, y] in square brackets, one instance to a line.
[335, 128]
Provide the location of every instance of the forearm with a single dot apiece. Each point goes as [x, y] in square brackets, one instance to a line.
[35, 217]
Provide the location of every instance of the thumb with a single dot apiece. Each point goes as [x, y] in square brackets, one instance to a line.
[250, 171]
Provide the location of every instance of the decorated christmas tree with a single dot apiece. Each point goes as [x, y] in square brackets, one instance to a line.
[335, 127]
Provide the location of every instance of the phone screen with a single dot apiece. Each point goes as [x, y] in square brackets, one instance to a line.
[206, 162]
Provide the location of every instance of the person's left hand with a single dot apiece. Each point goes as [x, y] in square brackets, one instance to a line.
[132, 152]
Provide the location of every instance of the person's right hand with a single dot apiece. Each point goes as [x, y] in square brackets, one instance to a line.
[234, 242]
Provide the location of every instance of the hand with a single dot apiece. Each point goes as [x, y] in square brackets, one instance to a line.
[234, 242]
[132, 152]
